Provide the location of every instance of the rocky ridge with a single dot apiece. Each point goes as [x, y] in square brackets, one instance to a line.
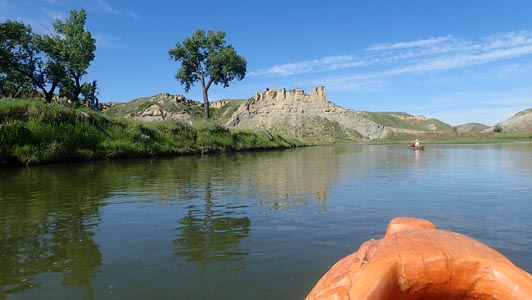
[306, 115]
[274, 109]
[158, 109]
[519, 123]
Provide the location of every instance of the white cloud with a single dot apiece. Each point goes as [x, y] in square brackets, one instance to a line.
[411, 44]
[328, 63]
[375, 67]
[107, 7]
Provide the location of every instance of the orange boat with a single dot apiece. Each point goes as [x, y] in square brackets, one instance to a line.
[416, 261]
[420, 147]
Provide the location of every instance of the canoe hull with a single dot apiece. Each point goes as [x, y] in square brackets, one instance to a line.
[414, 260]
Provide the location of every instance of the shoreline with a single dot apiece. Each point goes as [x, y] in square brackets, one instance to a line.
[34, 133]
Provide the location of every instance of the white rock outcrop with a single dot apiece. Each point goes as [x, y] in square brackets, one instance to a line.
[269, 108]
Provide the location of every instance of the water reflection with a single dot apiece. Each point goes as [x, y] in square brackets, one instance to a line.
[205, 226]
[210, 233]
[205, 238]
[37, 239]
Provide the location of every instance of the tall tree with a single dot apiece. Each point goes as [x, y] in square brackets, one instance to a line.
[46, 62]
[27, 57]
[48, 69]
[206, 58]
[13, 83]
[78, 48]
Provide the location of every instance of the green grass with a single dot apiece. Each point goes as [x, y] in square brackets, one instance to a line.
[223, 114]
[32, 133]
[392, 119]
[473, 138]
[119, 110]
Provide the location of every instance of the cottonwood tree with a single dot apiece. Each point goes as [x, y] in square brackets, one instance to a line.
[206, 58]
[46, 62]
[78, 48]
[30, 58]
[16, 46]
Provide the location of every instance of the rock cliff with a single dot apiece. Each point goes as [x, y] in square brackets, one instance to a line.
[308, 117]
[313, 116]
[303, 116]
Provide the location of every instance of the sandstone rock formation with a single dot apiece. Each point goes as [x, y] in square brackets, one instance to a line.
[218, 104]
[414, 260]
[273, 109]
[164, 106]
[289, 113]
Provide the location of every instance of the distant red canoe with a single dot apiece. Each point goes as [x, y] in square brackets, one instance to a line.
[414, 260]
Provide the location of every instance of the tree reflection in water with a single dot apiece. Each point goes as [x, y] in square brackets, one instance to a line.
[44, 242]
[210, 236]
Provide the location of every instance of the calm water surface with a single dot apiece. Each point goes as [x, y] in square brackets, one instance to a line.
[245, 226]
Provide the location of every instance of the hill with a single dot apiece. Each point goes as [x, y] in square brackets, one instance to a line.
[519, 123]
[157, 108]
[294, 114]
[312, 117]
[471, 128]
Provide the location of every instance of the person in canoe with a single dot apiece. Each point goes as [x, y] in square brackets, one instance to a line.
[415, 143]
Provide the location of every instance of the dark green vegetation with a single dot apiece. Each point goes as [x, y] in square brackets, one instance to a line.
[33, 65]
[35, 133]
[205, 57]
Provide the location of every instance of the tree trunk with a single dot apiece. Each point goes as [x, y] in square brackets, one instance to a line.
[205, 96]
[205, 104]
[77, 87]
[49, 95]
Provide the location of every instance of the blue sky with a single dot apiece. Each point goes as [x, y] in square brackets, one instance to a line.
[458, 61]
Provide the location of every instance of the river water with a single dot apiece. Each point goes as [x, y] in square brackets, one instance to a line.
[263, 225]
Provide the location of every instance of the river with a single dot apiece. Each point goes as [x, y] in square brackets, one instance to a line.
[258, 225]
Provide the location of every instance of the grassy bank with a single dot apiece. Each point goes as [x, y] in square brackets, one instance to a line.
[462, 139]
[35, 133]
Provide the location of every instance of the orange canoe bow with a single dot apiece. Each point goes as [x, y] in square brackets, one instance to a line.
[416, 261]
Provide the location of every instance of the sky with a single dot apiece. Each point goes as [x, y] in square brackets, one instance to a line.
[457, 61]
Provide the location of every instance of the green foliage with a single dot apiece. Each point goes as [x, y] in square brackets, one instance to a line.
[77, 48]
[206, 58]
[31, 62]
[32, 132]
[13, 82]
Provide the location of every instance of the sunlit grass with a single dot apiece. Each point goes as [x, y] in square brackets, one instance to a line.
[32, 132]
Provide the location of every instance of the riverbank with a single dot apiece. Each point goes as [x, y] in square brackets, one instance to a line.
[33, 133]
[473, 138]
